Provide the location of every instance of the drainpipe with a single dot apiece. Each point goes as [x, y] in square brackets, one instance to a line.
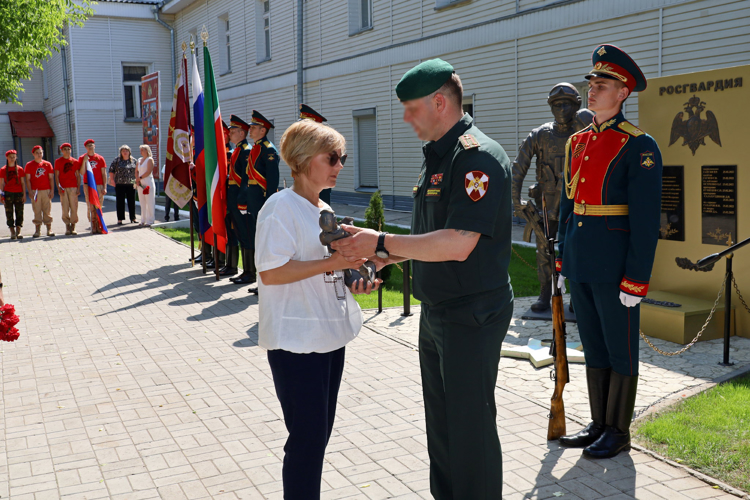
[65, 88]
[159, 20]
[300, 53]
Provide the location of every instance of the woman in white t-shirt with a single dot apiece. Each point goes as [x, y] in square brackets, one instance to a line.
[307, 315]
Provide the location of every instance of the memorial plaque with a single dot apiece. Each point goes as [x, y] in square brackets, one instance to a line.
[719, 204]
[672, 204]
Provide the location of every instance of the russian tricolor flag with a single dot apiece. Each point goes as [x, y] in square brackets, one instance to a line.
[94, 195]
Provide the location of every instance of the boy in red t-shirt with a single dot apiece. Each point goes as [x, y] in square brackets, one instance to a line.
[68, 180]
[40, 180]
[13, 193]
[98, 166]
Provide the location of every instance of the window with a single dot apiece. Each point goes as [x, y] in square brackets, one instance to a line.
[365, 127]
[225, 61]
[131, 82]
[468, 105]
[263, 31]
[360, 16]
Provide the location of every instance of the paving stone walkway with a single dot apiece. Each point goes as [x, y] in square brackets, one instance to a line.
[138, 377]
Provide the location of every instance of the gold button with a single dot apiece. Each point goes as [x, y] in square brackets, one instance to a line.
[594, 137]
[586, 158]
[575, 138]
[583, 202]
[580, 224]
[623, 140]
[583, 180]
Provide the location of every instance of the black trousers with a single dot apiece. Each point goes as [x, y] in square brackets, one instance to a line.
[608, 329]
[123, 191]
[168, 204]
[307, 386]
[459, 354]
[14, 202]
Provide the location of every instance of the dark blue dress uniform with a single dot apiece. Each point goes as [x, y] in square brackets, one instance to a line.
[464, 185]
[609, 227]
[257, 183]
[307, 113]
[232, 254]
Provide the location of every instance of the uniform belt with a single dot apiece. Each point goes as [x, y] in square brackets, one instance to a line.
[583, 209]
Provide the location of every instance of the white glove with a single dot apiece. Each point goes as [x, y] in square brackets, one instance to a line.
[561, 283]
[629, 300]
[243, 212]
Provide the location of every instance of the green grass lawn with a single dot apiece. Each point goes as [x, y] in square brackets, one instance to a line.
[522, 277]
[709, 432]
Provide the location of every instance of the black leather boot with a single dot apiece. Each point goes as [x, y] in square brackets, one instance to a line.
[620, 406]
[248, 274]
[232, 258]
[598, 380]
[543, 302]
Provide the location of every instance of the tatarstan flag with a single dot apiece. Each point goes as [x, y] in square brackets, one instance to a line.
[214, 156]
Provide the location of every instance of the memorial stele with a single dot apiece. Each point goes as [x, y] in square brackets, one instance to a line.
[701, 123]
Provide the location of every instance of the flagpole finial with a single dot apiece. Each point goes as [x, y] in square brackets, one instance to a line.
[184, 47]
[204, 35]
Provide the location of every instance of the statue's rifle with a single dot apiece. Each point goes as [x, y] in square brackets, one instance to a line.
[558, 349]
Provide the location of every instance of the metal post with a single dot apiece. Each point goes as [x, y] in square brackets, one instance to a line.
[380, 294]
[727, 311]
[204, 256]
[192, 235]
[216, 258]
[407, 289]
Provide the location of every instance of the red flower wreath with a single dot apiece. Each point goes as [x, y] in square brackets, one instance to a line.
[8, 322]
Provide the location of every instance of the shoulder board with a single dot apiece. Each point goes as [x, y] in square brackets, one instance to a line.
[468, 141]
[245, 146]
[630, 129]
[267, 144]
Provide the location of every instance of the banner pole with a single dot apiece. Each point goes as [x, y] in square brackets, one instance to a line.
[216, 258]
[192, 237]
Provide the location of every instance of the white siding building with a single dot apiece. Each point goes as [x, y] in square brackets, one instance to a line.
[509, 53]
[103, 63]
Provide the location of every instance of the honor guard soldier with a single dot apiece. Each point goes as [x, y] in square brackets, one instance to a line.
[236, 179]
[307, 113]
[461, 246]
[232, 257]
[609, 226]
[262, 174]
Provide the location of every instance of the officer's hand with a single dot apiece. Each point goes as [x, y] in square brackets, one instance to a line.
[359, 286]
[361, 243]
[629, 300]
[561, 283]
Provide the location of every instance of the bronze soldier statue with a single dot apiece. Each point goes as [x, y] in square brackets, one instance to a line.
[547, 143]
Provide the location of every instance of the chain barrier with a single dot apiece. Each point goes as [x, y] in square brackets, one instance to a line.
[705, 325]
[522, 259]
[742, 299]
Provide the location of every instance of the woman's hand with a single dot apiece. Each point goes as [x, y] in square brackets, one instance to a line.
[359, 287]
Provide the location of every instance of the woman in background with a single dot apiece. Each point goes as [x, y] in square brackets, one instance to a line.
[122, 177]
[144, 179]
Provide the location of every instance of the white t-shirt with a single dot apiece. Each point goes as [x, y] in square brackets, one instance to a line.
[317, 314]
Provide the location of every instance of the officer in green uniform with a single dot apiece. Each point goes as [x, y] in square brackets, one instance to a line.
[307, 113]
[609, 226]
[461, 245]
[261, 181]
[232, 255]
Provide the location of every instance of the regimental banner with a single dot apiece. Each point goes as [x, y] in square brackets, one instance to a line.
[150, 116]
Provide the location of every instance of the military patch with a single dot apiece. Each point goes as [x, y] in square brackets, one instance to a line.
[436, 179]
[647, 160]
[468, 141]
[271, 157]
[630, 129]
[578, 150]
[477, 184]
[433, 192]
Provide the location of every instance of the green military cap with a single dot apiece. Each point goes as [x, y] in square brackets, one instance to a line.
[423, 79]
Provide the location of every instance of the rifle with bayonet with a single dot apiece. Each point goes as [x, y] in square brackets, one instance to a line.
[558, 349]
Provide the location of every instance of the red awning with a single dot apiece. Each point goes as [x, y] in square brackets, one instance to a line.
[29, 124]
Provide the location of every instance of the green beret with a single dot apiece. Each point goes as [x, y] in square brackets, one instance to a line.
[423, 79]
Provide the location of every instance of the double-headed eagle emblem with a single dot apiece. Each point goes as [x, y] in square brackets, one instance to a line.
[694, 129]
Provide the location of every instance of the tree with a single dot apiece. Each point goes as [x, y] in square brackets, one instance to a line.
[31, 30]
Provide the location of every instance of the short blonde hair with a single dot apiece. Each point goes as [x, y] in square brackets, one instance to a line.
[147, 148]
[305, 139]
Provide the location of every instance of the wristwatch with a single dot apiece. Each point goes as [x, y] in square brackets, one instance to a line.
[380, 250]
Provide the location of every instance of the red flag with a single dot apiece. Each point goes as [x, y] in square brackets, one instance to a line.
[179, 152]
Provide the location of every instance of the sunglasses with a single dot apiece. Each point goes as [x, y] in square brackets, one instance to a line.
[334, 159]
